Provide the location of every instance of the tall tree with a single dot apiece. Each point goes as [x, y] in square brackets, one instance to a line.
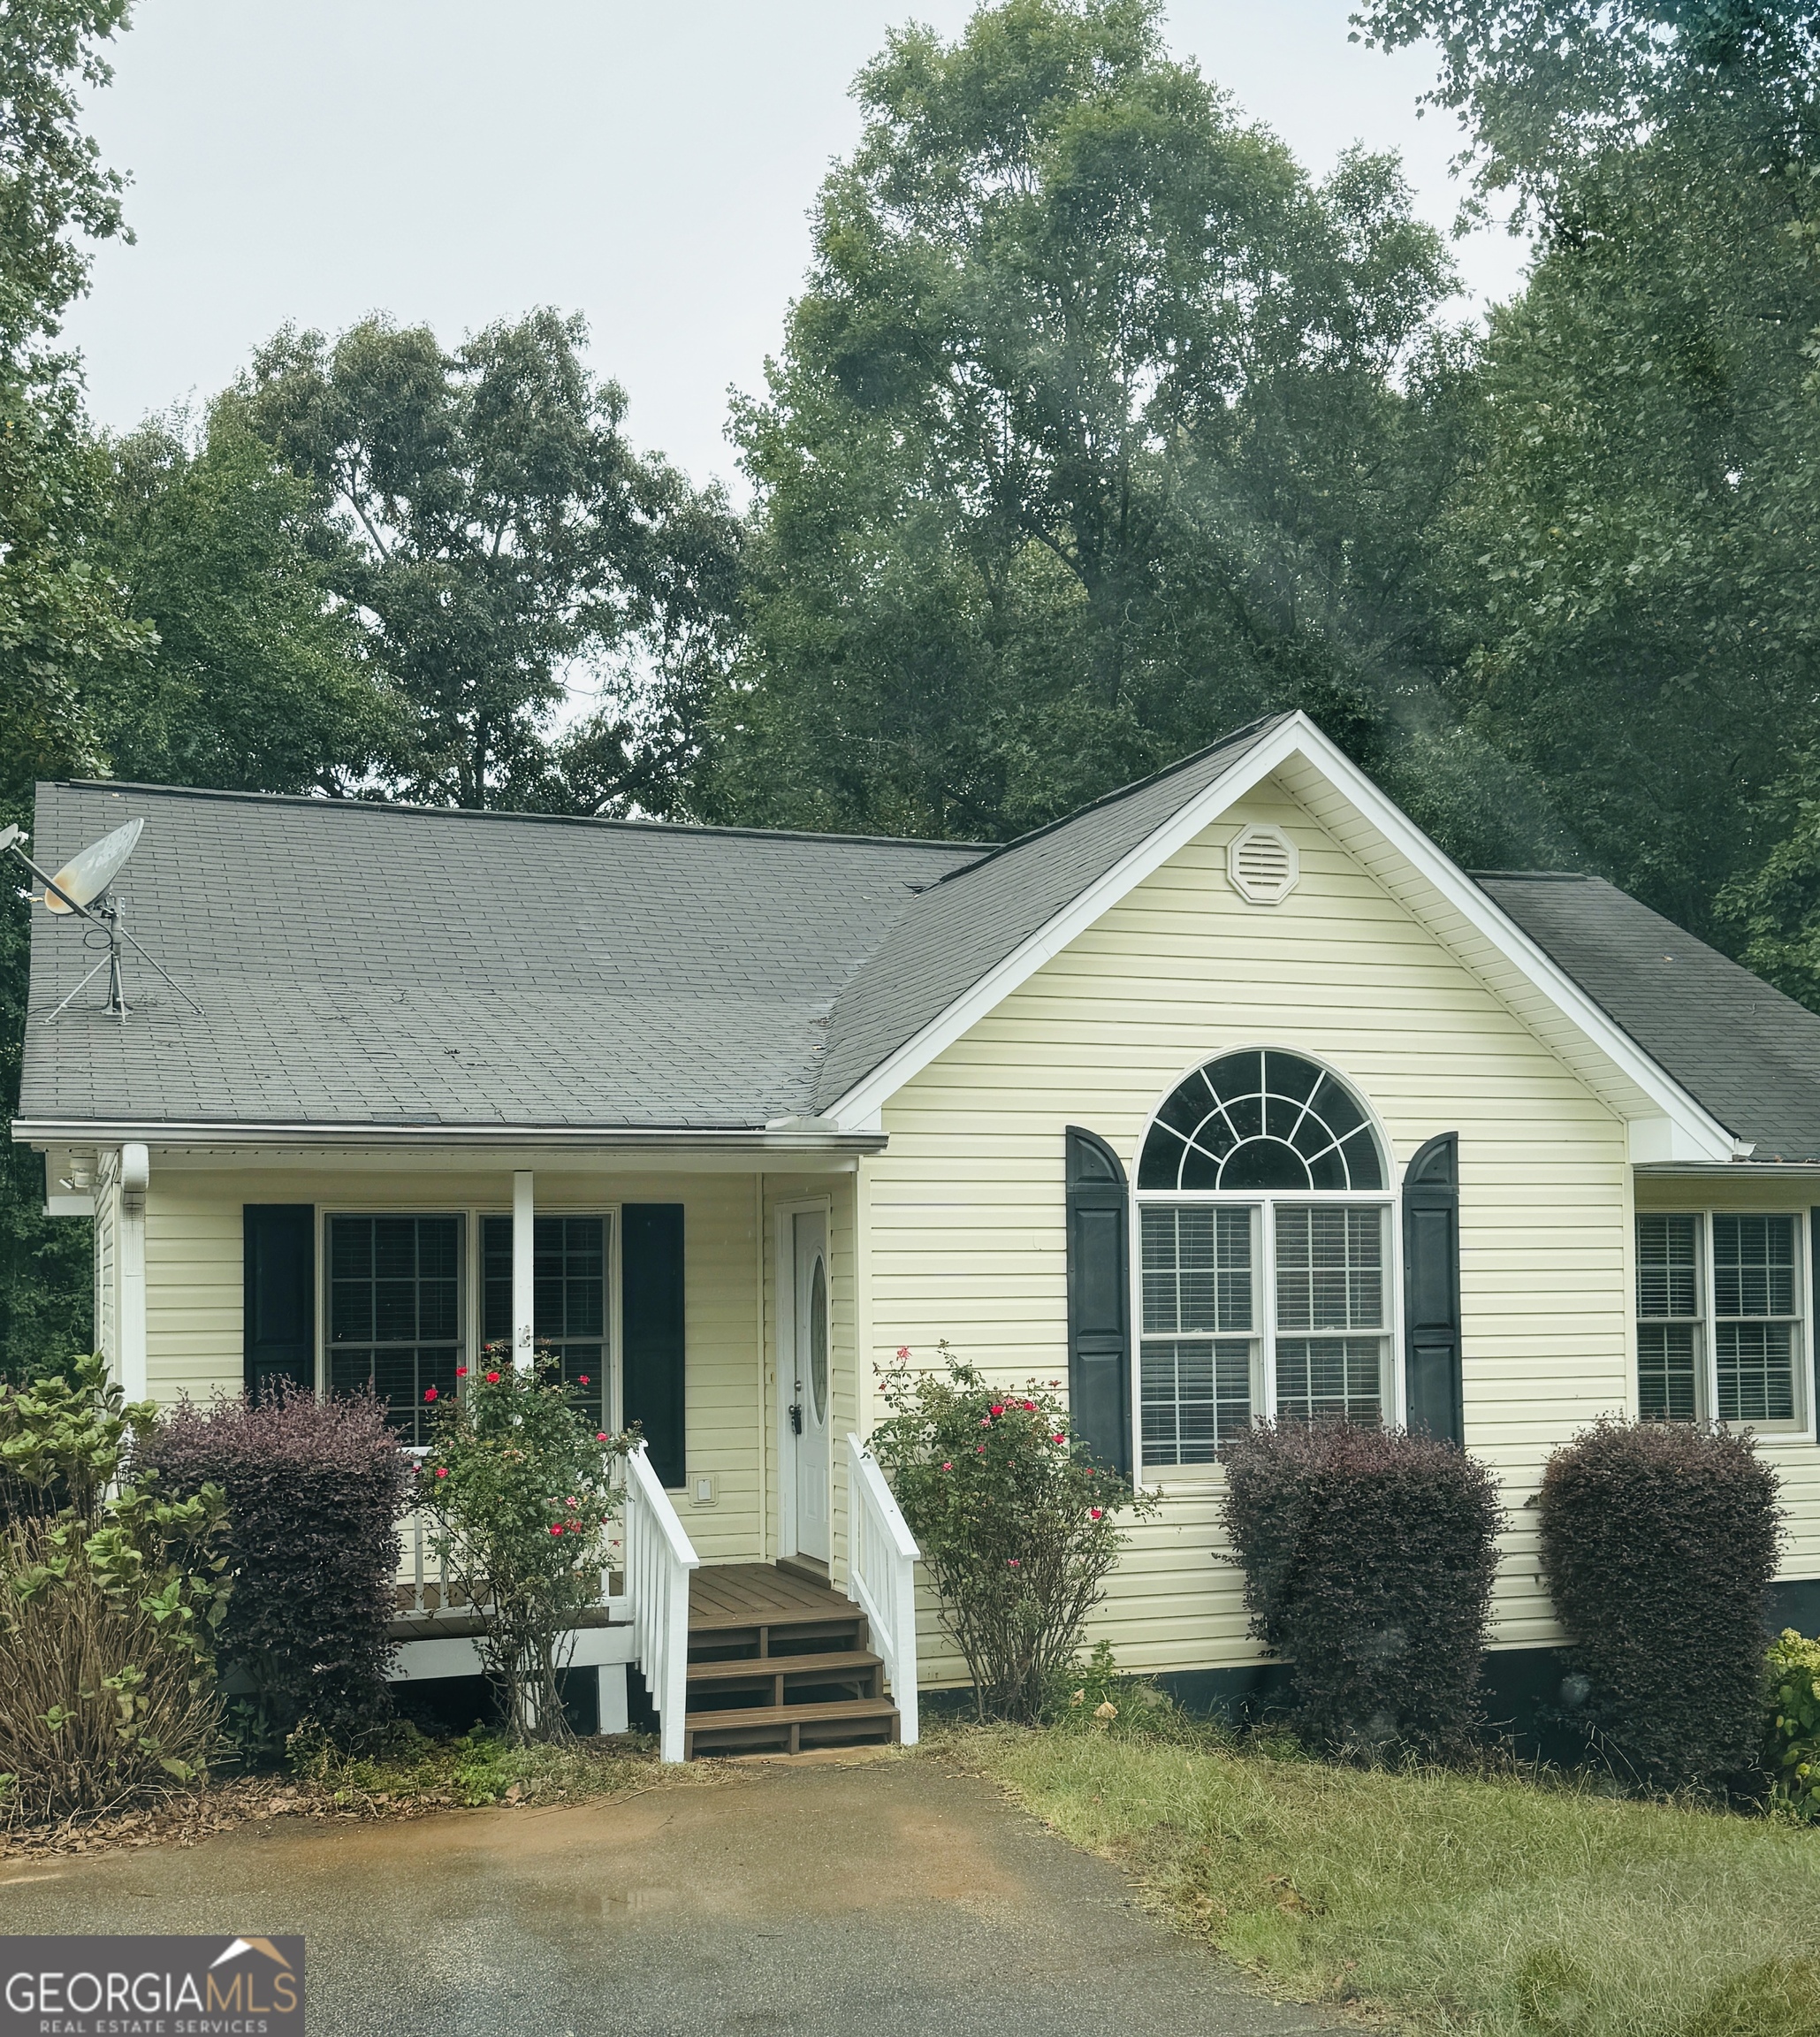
[1629, 560]
[59, 615]
[259, 679]
[502, 534]
[1094, 432]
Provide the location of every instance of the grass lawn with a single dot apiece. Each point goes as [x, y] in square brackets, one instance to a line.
[1449, 1903]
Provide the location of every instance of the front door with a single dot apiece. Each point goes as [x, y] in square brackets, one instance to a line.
[809, 1391]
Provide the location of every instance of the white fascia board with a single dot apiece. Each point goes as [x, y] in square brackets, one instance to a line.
[833, 1150]
[1696, 1135]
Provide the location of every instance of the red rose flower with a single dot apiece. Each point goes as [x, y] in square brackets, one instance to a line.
[583, 1380]
[948, 1467]
[1030, 1406]
[601, 1435]
[999, 1409]
[492, 1378]
[429, 1392]
[1058, 1437]
[1096, 1513]
[903, 1350]
[556, 1527]
[1012, 1561]
[442, 1470]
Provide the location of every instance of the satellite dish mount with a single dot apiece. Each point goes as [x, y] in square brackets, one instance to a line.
[83, 888]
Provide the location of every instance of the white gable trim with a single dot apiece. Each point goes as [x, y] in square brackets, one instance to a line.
[1680, 1127]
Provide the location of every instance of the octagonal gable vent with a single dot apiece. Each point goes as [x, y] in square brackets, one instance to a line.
[1262, 865]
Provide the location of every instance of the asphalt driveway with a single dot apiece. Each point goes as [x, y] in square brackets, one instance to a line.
[893, 1899]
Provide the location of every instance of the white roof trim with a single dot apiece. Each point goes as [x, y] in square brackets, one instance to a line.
[239, 1132]
[1696, 1135]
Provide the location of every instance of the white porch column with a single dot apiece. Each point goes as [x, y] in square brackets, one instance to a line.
[523, 1289]
[135, 1175]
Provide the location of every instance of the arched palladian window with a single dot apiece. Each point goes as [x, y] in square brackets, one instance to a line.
[1264, 1242]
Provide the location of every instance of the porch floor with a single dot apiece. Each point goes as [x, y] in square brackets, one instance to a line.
[779, 1663]
[757, 1595]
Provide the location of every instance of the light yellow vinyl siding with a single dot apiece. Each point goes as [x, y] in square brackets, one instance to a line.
[195, 1296]
[967, 1219]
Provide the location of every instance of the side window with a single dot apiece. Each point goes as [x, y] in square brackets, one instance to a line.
[1721, 1332]
[1755, 1322]
[394, 1312]
[570, 1263]
[1669, 1335]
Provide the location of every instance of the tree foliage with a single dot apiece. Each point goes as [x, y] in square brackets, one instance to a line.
[60, 616]
[497, 533]
[259, 678]
[1628, 549]
[1098, 428]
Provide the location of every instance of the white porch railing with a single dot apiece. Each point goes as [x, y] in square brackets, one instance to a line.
[658, 1559]
[881, 1579]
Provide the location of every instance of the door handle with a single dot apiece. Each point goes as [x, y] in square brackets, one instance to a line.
[796, 1418]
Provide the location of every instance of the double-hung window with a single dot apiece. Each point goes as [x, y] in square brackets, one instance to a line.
[569, 1266]
[1721, 1328]
[1264, 1270]
[394, 1312]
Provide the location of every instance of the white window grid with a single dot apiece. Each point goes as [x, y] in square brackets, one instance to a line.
[471, 1310]
[1268, 1336]
[1694, 1300]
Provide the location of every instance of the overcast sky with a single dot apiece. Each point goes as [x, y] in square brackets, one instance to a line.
[459, 161]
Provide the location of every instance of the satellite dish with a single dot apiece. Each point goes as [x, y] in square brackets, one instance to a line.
[88, 875]
[81, 888]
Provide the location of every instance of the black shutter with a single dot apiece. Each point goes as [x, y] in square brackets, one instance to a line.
[1431, 1307]
[279, 1325]
[650, 1323]
[1099, 1300]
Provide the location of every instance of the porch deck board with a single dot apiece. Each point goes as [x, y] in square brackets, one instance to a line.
[757, 1595]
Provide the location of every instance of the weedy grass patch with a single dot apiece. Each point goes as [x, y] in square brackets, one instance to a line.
[1473, 1905]
[414, 1772]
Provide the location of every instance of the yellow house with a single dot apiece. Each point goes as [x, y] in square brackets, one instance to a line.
[1230, 1095]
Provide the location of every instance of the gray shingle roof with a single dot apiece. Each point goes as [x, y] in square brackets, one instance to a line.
[1747, 1053]
[369, 964]
[361, 963]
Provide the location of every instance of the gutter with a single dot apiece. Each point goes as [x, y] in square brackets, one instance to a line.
[1740, 1167]
[794, 1135]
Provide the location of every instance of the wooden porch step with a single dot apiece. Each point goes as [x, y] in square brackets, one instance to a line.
[739, 1667]
[791, 1729]
[787, 1682]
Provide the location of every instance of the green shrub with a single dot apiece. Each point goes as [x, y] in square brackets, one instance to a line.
[108, 1607]
[519, 1488]
[314, 1490]
[1659, 1544]
[1016, 1529]
[1369, 1558]
[1792, 1753]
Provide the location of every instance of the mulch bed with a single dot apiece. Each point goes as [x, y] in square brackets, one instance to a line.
[182, 1819]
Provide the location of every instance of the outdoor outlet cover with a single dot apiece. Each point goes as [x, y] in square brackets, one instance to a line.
[704, 1492]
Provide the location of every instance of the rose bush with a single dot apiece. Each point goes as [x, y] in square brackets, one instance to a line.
[1018, 1530]
[519, 1488]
